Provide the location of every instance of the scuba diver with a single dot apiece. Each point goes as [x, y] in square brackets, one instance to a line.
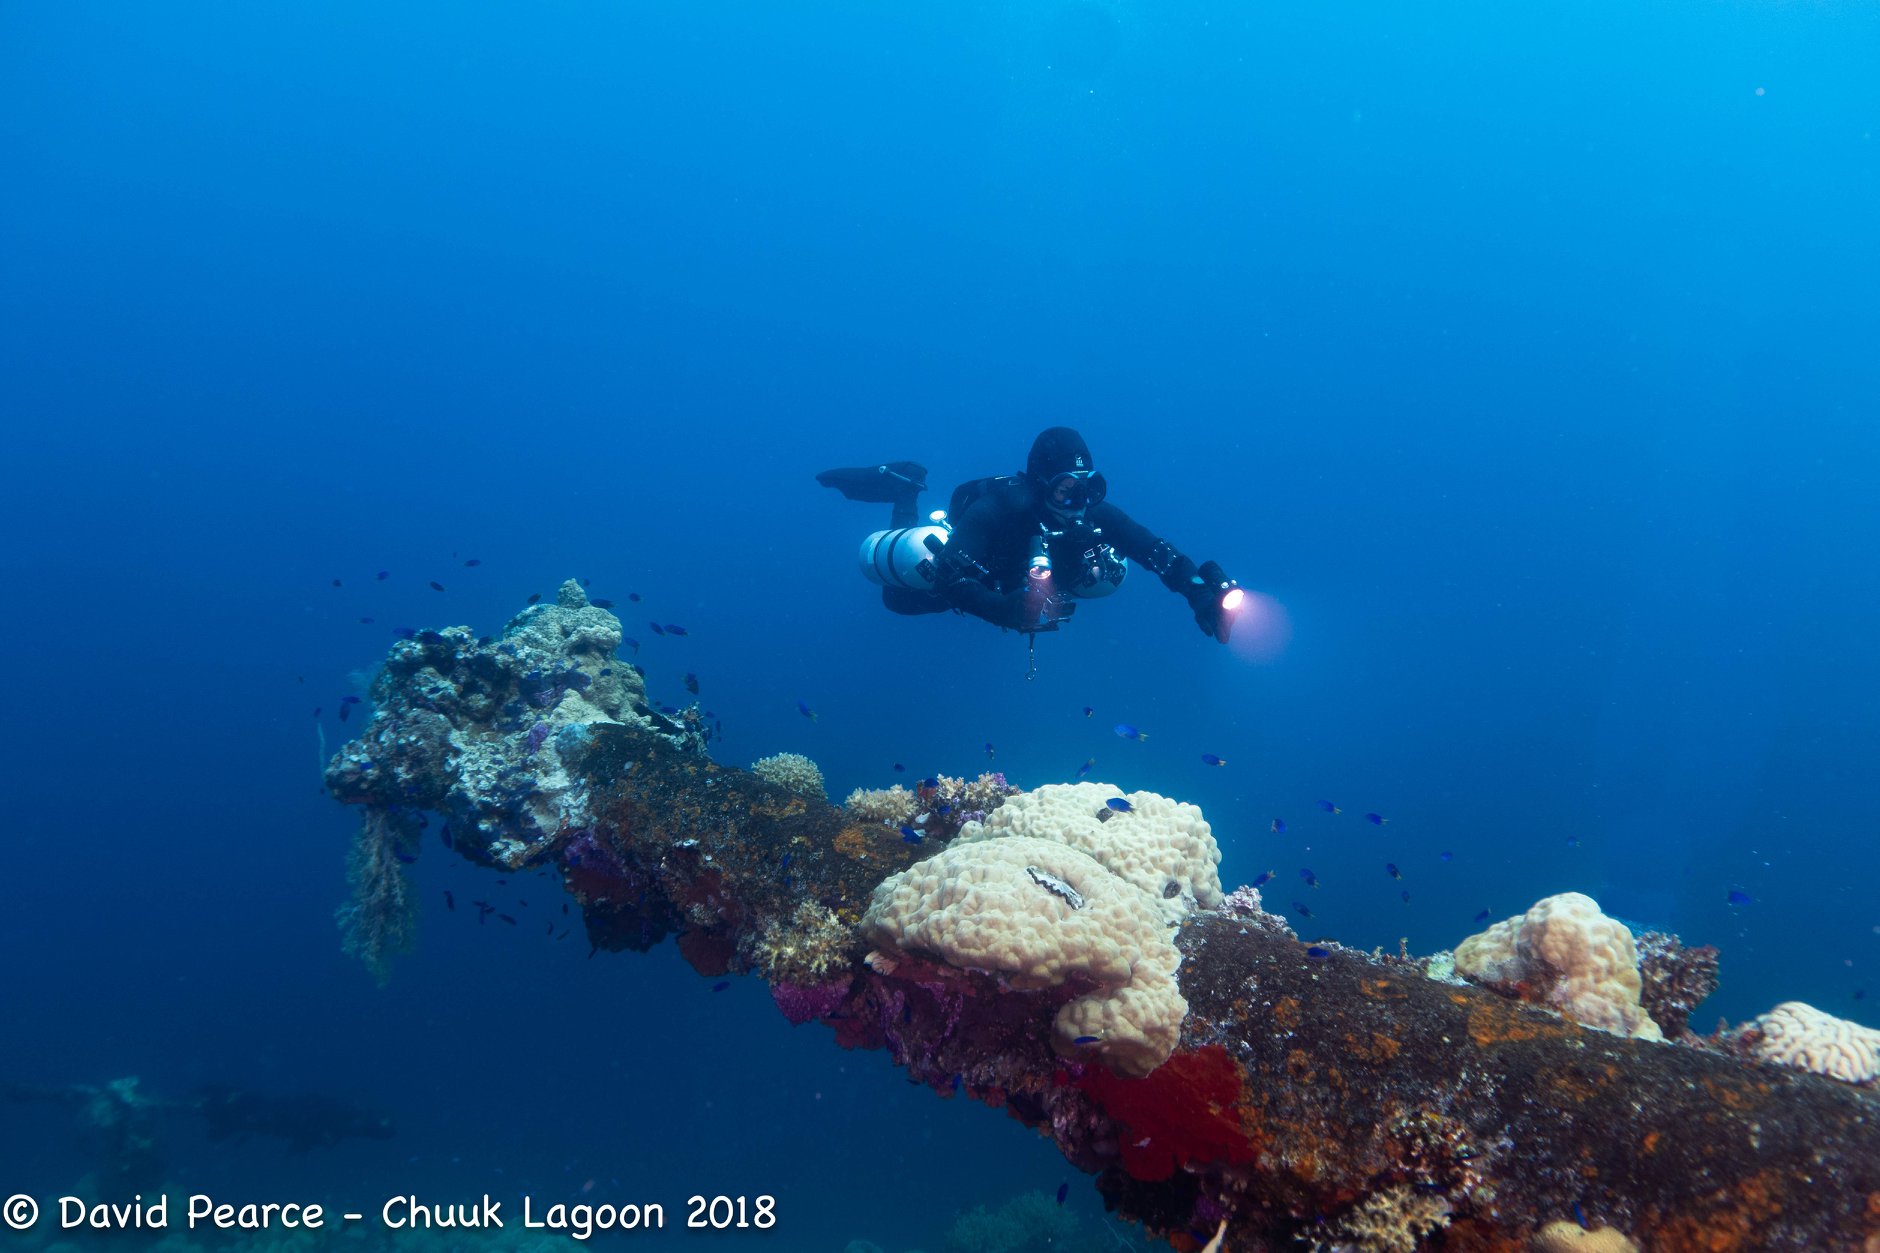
[1021, 550]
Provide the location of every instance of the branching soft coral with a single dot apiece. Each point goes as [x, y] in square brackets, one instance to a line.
[380, 922]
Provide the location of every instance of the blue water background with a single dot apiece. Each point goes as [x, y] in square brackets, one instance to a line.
[1524, 356]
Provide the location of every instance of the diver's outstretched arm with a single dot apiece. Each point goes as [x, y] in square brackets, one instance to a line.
[1200, 586]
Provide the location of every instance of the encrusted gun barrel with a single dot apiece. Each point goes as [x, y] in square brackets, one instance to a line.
[1083, 970]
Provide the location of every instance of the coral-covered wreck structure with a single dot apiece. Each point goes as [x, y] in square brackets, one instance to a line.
[1069, 954]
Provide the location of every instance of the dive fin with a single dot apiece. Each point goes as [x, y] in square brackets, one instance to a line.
[888, 484]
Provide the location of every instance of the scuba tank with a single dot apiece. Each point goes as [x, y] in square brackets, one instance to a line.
[903, 556]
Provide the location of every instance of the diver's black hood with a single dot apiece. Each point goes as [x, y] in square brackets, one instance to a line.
[1057, 451]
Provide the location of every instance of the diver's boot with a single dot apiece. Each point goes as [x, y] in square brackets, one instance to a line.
[897, 483]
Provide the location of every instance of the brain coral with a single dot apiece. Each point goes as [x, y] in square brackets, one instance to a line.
[1160, 845]
[793, 771]
[1799, 1035]
[1042, 914]
[1564, 953]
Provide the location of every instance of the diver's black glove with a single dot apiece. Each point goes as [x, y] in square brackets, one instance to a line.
[1204, 592]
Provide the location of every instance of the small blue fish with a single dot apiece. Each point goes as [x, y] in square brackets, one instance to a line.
[1406, 897]
[806, 711]
[1390, 868]
[1446, 855]
[1278, 826]
[1302, 911]
[1376, 820]
[930, 782]
[634, 597]
[601, 602]
[384, 575]
[785, 863]
[1089, 763]
[990, 750]
[1209, 759]
[1317, 954]
[943, 810]
[474, 561]
[910, 835]
[1087, 1039]
[1579, 1216]
[691, 683]
[1088, 711]
[1739, 897]
[1120, 805]
[674, 630]
[1311, 879]
[606, 670]
[656, 628]
[1128, 732]
[367, 621]
[349, 700]
[1263, 878]
[1064, 1190]
[535, 598]
[721, 985]
[899, 768]
[403, 857]
[632, 643]
[1481, 918]
[436, 586]
[1330, 808]
[1573, 841]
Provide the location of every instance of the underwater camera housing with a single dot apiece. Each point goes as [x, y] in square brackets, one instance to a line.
[903, 556]
[1097, 570]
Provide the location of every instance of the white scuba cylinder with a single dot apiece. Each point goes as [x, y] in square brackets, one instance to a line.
[900, 557]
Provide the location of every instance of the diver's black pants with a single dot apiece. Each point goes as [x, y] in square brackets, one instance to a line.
[906, 600]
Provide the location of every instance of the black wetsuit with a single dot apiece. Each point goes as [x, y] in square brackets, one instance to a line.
[982, 570]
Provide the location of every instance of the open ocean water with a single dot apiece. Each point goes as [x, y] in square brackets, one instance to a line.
[1520, 357]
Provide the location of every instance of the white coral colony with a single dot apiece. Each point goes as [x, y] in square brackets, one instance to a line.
[1566, 954]
[1799, 1035]
[1043, 892]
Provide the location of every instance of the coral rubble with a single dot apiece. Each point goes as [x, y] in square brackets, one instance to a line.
[1674, 979]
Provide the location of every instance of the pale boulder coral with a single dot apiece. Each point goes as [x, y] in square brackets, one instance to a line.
[1565, 954]
[1565, 1237]
[1164, 847]
[1799, 1035]
[1041, 914]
